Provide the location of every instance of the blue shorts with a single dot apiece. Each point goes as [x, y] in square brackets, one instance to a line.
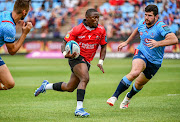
[151, 68]
[1, 62]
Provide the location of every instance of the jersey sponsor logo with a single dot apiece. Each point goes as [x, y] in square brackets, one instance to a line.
[87, 46]
[68, 35]
[166, 28]
[100, 27]
[10, 38]
[81, 37]
[89, 36]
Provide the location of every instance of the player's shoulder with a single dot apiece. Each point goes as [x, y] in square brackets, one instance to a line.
[77, 28]
[101, 27]
[160, 23]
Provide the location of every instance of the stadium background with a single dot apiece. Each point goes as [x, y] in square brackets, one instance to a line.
[52, 19]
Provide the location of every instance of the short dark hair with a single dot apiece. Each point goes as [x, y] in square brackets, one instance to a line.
[89, 11]
[153, 8]
[21, 5]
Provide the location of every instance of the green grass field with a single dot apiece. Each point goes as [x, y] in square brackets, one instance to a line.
[158, 101]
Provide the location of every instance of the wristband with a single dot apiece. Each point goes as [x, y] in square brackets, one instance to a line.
[100, 61]
[64, 53]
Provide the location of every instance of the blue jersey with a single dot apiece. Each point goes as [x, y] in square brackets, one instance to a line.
[7, 28]
[157, 32]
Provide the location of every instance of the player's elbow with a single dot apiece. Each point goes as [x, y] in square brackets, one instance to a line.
[12, 52]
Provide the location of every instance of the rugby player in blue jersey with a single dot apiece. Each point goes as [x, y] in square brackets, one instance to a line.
[148, 56]
[8, 22]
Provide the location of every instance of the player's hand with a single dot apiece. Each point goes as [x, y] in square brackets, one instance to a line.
[100, 67]
[26, 27]
[69, 55]
[121, 45]
[152, 43]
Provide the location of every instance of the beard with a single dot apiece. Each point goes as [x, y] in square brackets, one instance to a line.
[150, 22]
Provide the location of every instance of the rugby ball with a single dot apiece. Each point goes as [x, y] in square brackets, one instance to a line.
[72, 46]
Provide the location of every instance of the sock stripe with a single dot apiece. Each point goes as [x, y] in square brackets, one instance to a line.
[135, 88]
[128, 82]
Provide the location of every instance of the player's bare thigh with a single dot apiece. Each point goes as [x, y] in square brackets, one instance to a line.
[72, 84]
[141, 80]
[81, 71]
[138, 65]
[6, 77]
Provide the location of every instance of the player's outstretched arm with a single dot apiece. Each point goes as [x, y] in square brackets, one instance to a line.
[14, 47]
[102, 57]
[170, 39]
[131, 38]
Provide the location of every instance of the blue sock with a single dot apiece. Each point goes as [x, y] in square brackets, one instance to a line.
[133, 91]
[123, 85]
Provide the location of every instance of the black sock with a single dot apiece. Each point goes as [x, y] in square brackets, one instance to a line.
[123, 85]
[133, 91]
[57, 86]
[80, 94]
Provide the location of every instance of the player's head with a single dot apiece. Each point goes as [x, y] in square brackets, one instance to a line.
[92, 17]
[21, 7]
[151, 14]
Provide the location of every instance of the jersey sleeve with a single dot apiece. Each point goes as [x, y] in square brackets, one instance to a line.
[103, 38]
[9, 33]
[163, 29]
[71, 35]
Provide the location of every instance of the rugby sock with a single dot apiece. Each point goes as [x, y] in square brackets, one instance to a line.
[133, 91]
[49, 86]
[80, 98]
[123, 85]
[57, 86]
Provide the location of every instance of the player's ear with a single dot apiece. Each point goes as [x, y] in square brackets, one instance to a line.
[24, 12]
[157, 16]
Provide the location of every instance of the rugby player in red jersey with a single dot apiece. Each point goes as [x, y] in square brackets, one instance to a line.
[89, 35]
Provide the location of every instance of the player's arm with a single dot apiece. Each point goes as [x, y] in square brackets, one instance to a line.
[102, 57]
[14, 47]
[131, 38]
[170, 39]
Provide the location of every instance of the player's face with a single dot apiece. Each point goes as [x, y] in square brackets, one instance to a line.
[150, 19]
[93, 19]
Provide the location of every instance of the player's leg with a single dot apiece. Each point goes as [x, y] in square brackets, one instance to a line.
[141, 80]
[6, 79]
[138, 65]
[81, 71]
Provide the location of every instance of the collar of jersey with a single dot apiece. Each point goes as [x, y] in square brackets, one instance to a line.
[12, 18]
[87, 27]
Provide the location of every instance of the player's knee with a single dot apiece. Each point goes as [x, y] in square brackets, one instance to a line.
[70, 89]
[135, 74]
[85, 79]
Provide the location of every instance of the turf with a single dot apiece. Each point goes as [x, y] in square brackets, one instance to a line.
[158, 101]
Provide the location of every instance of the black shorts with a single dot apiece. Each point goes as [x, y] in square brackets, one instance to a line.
[151, 69]
[80, 59]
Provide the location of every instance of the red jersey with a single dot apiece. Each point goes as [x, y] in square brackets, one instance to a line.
[88, 39]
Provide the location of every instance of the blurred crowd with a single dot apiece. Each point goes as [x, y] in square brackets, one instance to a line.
[119, 17]
[47, 15]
